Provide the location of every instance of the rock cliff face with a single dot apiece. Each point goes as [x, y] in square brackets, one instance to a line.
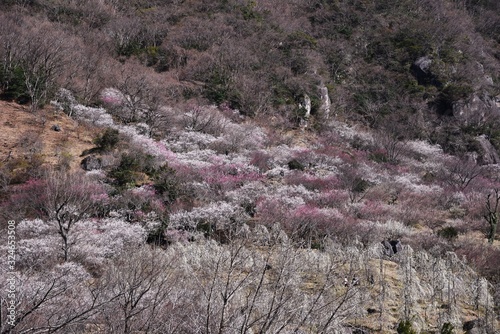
[478, 109]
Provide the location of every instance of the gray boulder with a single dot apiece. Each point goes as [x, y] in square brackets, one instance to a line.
[392, 247]
[421, 69]
[475, 326]
[91, 163]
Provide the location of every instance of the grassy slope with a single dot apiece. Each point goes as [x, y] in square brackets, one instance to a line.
[25, 134]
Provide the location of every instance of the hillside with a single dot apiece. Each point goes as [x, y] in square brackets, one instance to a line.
[243, 166]
[323, 203]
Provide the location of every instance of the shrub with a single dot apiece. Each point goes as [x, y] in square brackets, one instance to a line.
[12, 84]
[379, 156]
[107, 140]
[447, 328]
[166, 183]
[219, 89]
[133, 169]
[295, 164]
[449, 233]
[414, 42]
[405, 327]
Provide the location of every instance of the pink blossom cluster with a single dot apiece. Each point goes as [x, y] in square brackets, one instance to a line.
[229, 176]
[112, 97]
[373, 210]
[320, 220]
[147, 144]
[302, 217]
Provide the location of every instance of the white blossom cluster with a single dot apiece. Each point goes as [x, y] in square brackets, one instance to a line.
[293, 191]
[96, 116]
[248, 193]
[93, 240]
[390, 228]
[424, 148]
[351, 132]
[186, 141]
[218, 214]
[197, 158]
[277, 172]
[107, 238]
[412, 182]
[238, 137]
[281, 155]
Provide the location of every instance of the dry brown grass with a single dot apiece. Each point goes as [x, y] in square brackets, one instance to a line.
[18, 125]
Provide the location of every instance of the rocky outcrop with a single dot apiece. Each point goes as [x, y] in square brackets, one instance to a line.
[392, 247]
[307, 106]
[476, 109]
[421, 69]
[324, 108]
[489, 154]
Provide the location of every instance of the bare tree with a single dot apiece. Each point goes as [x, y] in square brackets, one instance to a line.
[68, 199]
[62, 198]
[459, 173]
[141, 96]
[353, 181]
[245, 290]
[139, 286]
[89, 76]
[41, 56]
[46, 303]
[205, 120]
[392, 141]
[491, 215]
